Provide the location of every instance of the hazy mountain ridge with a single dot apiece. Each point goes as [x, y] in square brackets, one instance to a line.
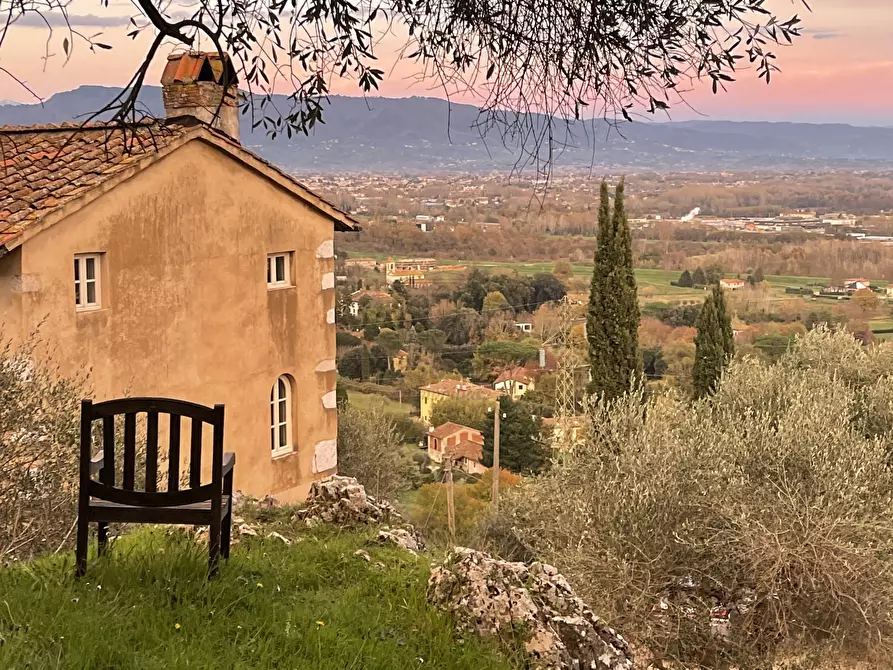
[424, 135]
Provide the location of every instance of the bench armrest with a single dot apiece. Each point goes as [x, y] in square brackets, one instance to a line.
[96, 463]
[229, 460]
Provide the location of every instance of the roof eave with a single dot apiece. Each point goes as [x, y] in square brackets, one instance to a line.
[342, 222]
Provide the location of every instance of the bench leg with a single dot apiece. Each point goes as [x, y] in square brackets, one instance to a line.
[81, 548]
[103, 537]
[225, 534]
[226, 531]
[214, 547]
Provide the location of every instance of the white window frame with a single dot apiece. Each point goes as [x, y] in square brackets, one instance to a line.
[82, 282]
[280, 404]
[272, 281]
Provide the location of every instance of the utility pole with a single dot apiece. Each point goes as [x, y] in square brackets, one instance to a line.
[569, 366]
[495, 493]
[451, 510]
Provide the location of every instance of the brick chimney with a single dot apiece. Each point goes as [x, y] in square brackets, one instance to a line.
[192, 85]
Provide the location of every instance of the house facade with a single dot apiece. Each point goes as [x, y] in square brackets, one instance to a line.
[432, 394]
[463, 444]
[514, 382]
[732, 284]
[409, 274]
[179, 265]
[357, 299]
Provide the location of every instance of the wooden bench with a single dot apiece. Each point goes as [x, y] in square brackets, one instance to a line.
[104, 500]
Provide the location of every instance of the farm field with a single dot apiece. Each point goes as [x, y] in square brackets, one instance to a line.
[658, 280]
[655, 285]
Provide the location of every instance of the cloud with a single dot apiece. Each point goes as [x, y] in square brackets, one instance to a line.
[828, 36]
[57, 20]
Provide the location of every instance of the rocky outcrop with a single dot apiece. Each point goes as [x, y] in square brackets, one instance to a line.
[500, 599]
[343, 501]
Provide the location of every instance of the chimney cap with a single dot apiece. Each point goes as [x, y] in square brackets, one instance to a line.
[193, 66]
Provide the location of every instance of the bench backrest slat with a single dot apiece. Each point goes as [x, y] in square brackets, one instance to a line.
[195, 455]
[152, 451]
[108, 450]
[129, 451]
[173, 454]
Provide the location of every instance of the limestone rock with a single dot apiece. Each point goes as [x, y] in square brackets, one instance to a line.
[405, 538]
[246, 529]
[496, 598]
[343, 501]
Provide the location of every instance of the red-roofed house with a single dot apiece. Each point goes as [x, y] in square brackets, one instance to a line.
[463, 444]
[514, 382]
[171, 261]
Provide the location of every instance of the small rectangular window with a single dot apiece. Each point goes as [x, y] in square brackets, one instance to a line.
[87, 282]
[279, 270]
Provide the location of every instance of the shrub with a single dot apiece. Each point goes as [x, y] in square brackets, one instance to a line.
[771, 500]
[39, 428]
[345, 339]
[370, 449]
[471, 502]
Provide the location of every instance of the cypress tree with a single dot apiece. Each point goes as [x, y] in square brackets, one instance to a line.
[699, 277]
[613, 319]
[714, 343]
[685, 279]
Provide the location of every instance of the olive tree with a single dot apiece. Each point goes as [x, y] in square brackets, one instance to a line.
[747, 529]
[39, 412]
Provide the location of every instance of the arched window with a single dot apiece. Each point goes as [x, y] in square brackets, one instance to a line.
[280, 416]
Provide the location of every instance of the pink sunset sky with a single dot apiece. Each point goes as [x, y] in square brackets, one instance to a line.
[840, 70]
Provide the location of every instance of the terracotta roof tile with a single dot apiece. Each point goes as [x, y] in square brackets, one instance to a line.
[466, 449]
[514, 374]
[453, 387]
[447, 429]
[44, 167]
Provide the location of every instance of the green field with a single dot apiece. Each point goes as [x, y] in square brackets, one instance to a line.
[659, 281]
[371, 401]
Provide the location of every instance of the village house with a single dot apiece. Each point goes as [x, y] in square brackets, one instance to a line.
[856, 284]
[514, 382]
[400, 361]
[463, 444]
[732, 284]
[410, 277]
[357, 299]
[171, 261]
[432, 394]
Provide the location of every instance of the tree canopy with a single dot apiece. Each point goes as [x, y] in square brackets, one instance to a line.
[714, 343]
[528, 62]
[521, 448]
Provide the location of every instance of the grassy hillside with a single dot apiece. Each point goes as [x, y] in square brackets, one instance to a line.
[312, 604]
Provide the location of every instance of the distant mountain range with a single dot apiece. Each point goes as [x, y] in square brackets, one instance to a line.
[417, 135]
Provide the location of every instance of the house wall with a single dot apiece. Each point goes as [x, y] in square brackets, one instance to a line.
[12, 287]
[427, 400]
[186, 311]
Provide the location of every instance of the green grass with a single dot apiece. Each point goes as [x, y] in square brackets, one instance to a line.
[372, 401]
[310, 605]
